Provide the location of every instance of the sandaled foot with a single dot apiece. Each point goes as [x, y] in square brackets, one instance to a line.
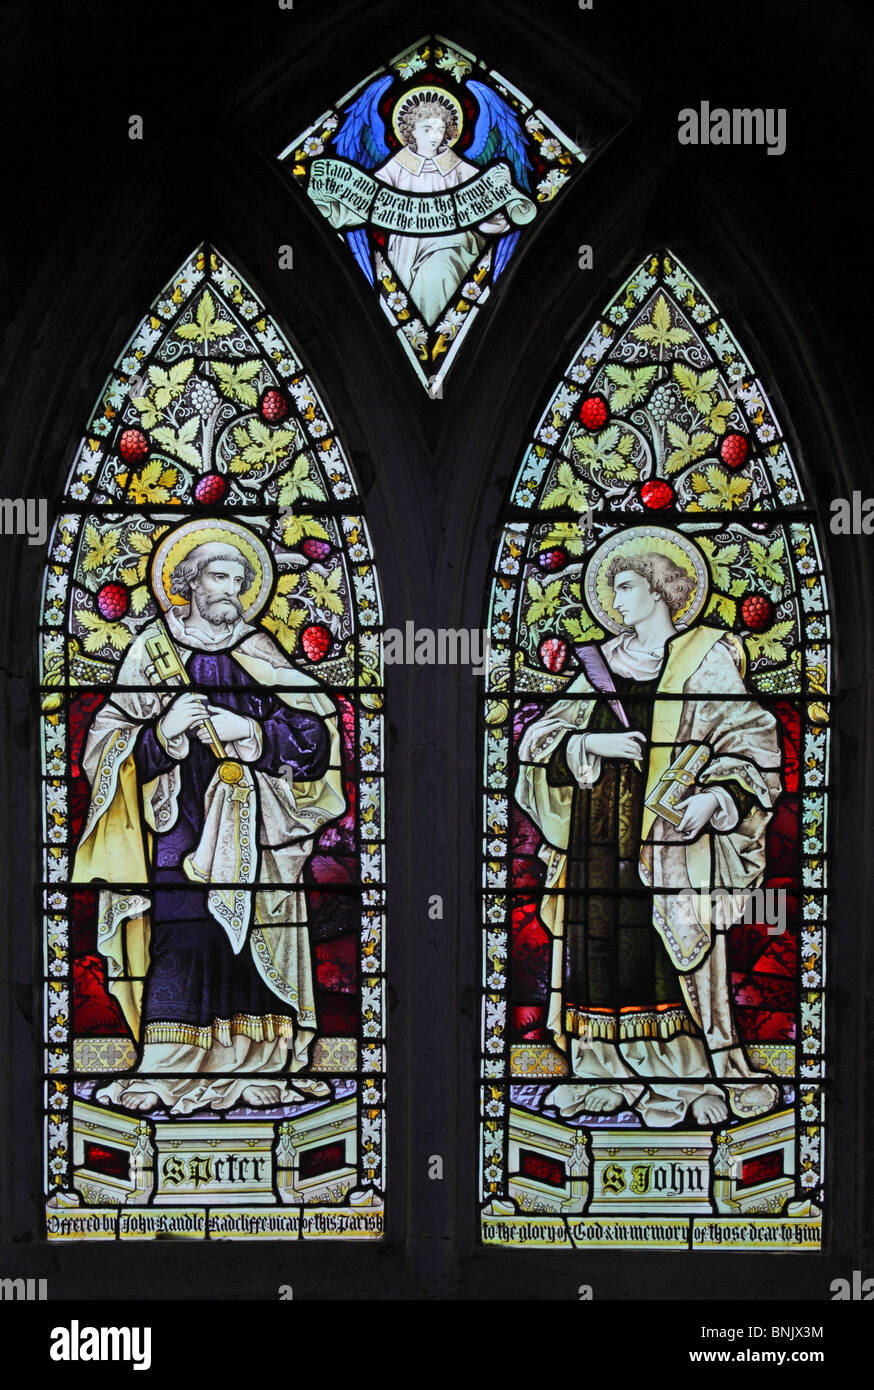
[311, 1087]
[754, 1100]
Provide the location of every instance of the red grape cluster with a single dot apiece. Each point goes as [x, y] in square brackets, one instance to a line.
[594, 412]
[112, 602]
[315, 640]
[133, 446]
[212, 488]
[273, 406]
[756, 611]
[314, 549]
[656, 494]
[551, 560]
[553, 653]
[733, 450]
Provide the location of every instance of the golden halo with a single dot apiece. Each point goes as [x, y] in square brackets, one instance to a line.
[178, 543]
[639, 540]
[436, 94]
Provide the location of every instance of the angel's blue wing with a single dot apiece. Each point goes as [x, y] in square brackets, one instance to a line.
[360, 247]
[361, 137]
[503, 251]
[498, 134]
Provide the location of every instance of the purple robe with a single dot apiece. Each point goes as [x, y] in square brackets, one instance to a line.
[194, 976]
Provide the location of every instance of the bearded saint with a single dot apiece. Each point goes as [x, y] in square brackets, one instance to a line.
[638, 908]
[215, 982]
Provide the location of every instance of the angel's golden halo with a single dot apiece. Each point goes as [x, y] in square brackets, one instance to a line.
[419, 96]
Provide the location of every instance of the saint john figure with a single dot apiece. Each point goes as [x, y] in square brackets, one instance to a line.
[639, 908]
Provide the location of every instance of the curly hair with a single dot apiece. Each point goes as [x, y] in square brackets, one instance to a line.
[423, 109]
[662, 574]
[189, 570]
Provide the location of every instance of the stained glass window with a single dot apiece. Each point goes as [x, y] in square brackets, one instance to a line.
[213, 804]
[656, 730]
[431, 169]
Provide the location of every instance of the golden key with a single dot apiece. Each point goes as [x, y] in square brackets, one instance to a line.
[168, 666]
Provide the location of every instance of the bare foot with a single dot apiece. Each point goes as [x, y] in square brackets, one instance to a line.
[603, 1100]
[261, 1095]
[709, 1110]
[136, 1100]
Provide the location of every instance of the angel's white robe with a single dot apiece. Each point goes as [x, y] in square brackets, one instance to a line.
[433, 268]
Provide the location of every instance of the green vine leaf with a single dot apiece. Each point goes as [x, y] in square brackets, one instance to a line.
[101, 548]
[153, 483]
[686, 449]
[236, 382]
[698, 390]
[571, 490]
[298, 483]
[207, 326]
[260, 445]
[297, 528]
[631, 385]
[167, 385]
[544, 602]
[284, 622]
[100, 632]
[766, 560]
[325, 591]
[577, 631]
[607, 453]
[717, 491]
[717, 418]
[139, 599]
[568, 535]
[719, 561]
[179, 442]
[658, 332]
[725, 607]
[770, 644]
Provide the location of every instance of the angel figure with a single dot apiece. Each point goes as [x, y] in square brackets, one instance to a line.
[428, 122]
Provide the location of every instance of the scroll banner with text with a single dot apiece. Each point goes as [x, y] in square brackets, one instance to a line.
[348, 197]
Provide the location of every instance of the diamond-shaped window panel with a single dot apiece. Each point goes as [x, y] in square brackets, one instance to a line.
[431, 170]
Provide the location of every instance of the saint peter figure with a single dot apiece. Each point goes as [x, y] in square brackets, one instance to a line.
[652, 781]
[212, 766]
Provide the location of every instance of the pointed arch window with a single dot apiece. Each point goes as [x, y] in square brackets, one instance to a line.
[212, 776]
[656, 773]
